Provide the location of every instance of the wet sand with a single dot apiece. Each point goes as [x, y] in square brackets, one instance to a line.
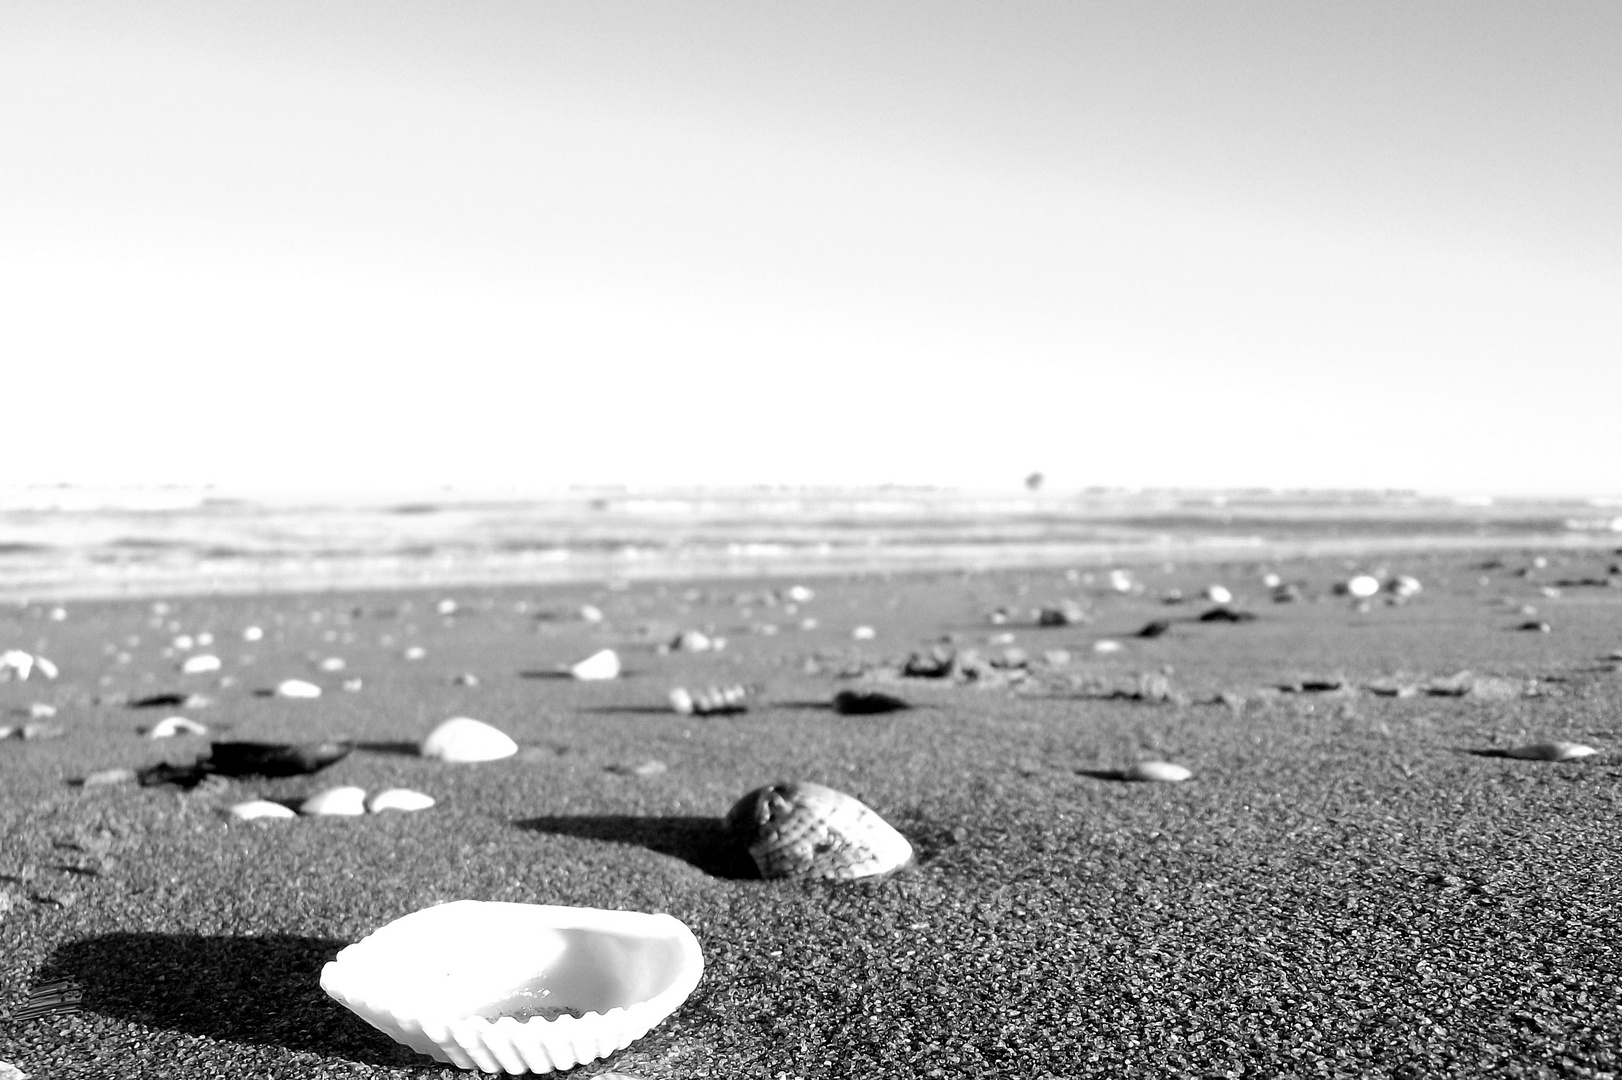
[1352, 884]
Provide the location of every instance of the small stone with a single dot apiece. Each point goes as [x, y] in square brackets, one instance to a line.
[108, 778]
[799, 594]
[260, 808]
[866, 703]
[183, 642]
[175, 725]
[252, 633]
[591, 614]
[1551, 751]
[1106, 646]
[597, 667]
[353, 685]
[462, 740]
[1363, 586]
[45, 667]
[1271, 581]
[338, 801]
[403, 799]
[1156, 772]
[446, 607]
[333, 664]
[200, 664]
[1218, 595]
[415, 652]
[864, 633]
[14, 663]
[297, 688]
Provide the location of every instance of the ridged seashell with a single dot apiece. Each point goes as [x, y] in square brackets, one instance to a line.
[1156, 771]
[395, 798]
[715, 701]
[170, 726]
[597, 666]
[811, 831]
[1551, 751]
[200, 664]
[517, 987]
[297, 688]
[340, 801]
[463, 739]
[260, 808]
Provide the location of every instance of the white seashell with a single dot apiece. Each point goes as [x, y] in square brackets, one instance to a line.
[1363, 586]
[1106, 646]
[16, 662]
[260, 808]
[590, 613]
[205, 639]
[1218, 595]
[1120, 581]
[517, 987]
[1159, 771]
[864, 633]
[597, 666]
[1271, 581]
[415, 652]
[297, 688]
[333, 663]
[252, 633]
[1551, 751]
[45, 667]
[446, 607]
[183, 642]
[396, 798]
[799, 594]
[811, 831]
[200, 664]
[353, 685]
[341, 801]
[463, 739]
[175, 725]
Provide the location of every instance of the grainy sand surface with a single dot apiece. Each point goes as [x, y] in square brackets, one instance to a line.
[1351, 885]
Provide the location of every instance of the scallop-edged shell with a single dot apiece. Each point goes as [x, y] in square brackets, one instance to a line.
[1551, 751]
[464, 739]
[811, 831]
[517, 987]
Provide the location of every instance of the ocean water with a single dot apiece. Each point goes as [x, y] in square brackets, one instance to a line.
[75, 542]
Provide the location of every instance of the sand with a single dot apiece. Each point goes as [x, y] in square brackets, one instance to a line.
[1351, 884]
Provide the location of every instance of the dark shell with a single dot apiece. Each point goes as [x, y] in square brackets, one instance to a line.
[866, 702]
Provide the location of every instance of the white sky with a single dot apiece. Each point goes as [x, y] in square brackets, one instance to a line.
[404, 244]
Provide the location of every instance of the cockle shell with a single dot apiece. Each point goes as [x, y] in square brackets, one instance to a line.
[517, 987]
[598, 666]
[715, 701]
[811, 831]
[1551, 751]
[463, 739]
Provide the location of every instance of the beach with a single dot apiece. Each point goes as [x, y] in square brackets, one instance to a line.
[1355, 881]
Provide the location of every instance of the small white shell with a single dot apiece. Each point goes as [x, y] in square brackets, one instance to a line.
[1218, 595]
[1363, 586]
[1161, 771]
[297, 688]
[463, 739]
[200, 664]
[1106, 646]
[260, 808]
[517, 987]
[340, 801]
[395, 798]
[1551, 751]
[811, 831]
[175, 725]
[597, 666]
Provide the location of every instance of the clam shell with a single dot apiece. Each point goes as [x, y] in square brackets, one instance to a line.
[200, 664]
[1551, 751]
[260, 808]
[395, 798]
[463, 739]
[597, 666]
[340, 801]
[811, 831]
[171, 726]
[1156, 771]
[297, 688]
[517, 987]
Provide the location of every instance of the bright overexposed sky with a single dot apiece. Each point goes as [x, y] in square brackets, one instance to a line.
[404, 244]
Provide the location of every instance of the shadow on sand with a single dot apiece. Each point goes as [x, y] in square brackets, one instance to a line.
[263, 990]
[699, 841]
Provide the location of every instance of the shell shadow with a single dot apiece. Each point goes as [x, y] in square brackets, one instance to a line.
[701, 842]
[1103, 774]
[399, 748]
[262, 990]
